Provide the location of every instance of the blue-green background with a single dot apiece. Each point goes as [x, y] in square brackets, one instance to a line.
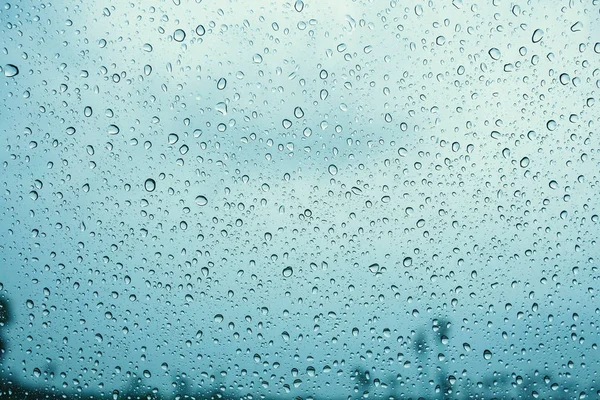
[449, 172]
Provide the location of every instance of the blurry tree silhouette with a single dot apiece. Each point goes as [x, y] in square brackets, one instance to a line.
[4, 320]
[432, 369]
[441, 329]
[363, 380]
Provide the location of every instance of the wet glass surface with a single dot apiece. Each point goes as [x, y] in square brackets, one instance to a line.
[303, 199]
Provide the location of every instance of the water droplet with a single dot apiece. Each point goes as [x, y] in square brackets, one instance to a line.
[150, 185]
[577, 26]
[221, 83]
[564, 78]
[388, 117]
[494, 53]
[298, 112]
[538, 34]
[286, 123]
[172, 138]
[11, 70]
[287, 272]
[147, 47]
[87, 111]
[179, 35]
[113, 130]
[29, 304]
[299, 5]
[257, 58]
[524, 163]
[221, 108]
[201, 200]
[200, 31]
[487, 354]
[219, 318]
[407, 262]
[333, 170]
[374, 268]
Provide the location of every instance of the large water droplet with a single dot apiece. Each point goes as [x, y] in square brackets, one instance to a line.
[179, 35]
[150, 185]
[201, 200]
[11, 70]
[113, 130]
[494, 53]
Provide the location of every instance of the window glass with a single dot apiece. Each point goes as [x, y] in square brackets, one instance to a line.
[299, 199]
